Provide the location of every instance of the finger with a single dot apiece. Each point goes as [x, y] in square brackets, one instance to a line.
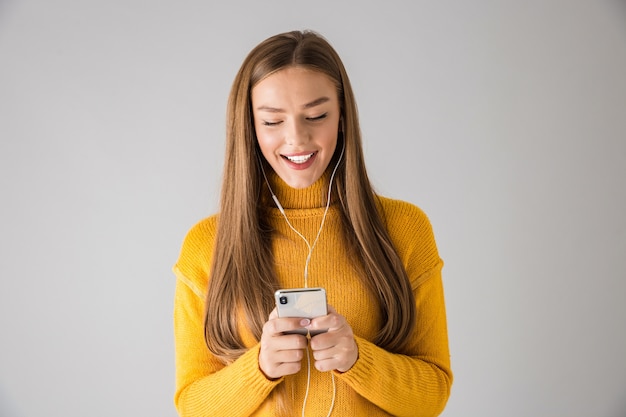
[291, 355]
[279, 364]
[331, 322]
[288, 368]
[324, 365]
[286, 342]
[281, 354]
[279, 326]
[340, 357]
[293, 325]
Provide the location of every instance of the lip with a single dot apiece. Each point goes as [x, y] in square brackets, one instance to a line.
[301, 166]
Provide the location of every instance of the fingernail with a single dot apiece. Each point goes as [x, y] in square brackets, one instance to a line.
[305, 322]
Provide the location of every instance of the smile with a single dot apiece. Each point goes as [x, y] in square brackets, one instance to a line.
[299, 159]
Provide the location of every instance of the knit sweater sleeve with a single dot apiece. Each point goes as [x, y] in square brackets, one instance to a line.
[418, 381]
[204, 385]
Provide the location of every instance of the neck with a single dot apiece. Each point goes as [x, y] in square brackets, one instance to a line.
[314, 196]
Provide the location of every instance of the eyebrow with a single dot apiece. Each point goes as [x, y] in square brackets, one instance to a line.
[309, 105]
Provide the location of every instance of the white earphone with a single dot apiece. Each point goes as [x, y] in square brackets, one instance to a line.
[306, 264]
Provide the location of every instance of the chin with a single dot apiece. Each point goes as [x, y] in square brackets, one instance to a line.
[300, 184]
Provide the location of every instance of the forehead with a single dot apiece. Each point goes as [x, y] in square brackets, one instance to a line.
[294, 85]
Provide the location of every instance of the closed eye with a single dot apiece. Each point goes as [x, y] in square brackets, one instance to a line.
[317, 118]
[267, 123]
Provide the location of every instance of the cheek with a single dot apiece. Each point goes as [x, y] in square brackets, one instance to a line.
[329, 137]
[267, 142]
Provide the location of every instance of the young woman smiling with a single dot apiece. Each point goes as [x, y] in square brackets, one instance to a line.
[297, 210]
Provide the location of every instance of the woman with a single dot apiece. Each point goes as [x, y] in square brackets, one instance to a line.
[297, 210]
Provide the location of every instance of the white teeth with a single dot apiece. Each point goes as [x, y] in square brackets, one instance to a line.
[299, 159]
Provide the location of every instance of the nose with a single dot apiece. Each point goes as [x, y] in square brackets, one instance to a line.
[296, 133]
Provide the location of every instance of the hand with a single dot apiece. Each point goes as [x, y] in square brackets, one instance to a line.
[281, 354]
[336, 349]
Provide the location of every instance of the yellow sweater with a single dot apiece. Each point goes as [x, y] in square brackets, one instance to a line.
[380, 383]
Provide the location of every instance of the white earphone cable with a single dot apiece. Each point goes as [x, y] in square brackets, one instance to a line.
[319, 232]
[306, 269]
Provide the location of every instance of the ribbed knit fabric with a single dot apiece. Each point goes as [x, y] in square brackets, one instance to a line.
[380, 383]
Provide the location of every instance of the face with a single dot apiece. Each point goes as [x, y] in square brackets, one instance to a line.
[296, 117]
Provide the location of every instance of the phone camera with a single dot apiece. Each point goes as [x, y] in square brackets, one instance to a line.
[282, 300]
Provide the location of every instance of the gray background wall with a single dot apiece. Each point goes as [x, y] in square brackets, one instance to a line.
[504, 120]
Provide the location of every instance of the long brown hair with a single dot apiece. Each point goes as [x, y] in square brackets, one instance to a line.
[242, 247]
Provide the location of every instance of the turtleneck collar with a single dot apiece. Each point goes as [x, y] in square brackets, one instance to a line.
[313, 196]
